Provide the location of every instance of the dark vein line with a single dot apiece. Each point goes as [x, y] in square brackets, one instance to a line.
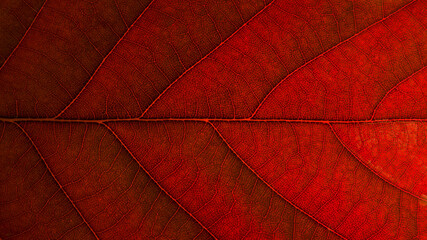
[325, 52]
[273, 189]
[209, 119]
[22, 38]
[393, 89]
[368, 167]
[151, 177]
[103, 60]
[203, 58]
[56, 180]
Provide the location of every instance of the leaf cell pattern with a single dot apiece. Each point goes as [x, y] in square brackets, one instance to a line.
[230, 119]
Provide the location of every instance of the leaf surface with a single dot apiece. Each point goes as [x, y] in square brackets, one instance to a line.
[15, 20]
[126, 119]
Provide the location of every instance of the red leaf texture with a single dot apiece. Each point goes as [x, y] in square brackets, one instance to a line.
[229, 119]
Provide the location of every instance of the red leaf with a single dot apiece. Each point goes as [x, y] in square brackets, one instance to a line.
[397, 151]
[251, 119]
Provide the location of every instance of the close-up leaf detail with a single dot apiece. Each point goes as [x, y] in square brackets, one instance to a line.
[202, 119]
